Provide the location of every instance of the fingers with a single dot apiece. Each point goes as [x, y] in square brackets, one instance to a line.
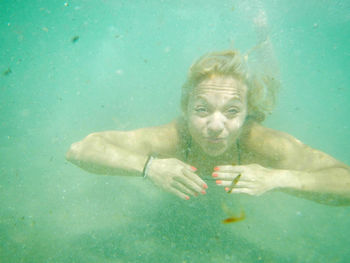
[229, 168]
[231, 177]
[185, 189]
[236, 182]
[247, 179]
[230, 173]
[187, 183]
[179, 193]
[225, 176]
[194, 180]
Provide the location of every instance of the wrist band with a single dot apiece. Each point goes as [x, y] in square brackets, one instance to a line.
[147, 164]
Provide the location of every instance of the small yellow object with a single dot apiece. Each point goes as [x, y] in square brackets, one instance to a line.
[234, 182]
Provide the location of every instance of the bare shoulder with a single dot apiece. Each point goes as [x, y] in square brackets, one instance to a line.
[284, 151]
[161, 139]
[265, 140]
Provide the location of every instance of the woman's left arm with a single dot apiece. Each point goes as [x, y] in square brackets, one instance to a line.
[312, 174]
[295, 168]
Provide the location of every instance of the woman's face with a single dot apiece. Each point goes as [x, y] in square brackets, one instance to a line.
[216, 112]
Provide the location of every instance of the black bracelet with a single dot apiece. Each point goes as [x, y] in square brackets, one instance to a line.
[147, 163]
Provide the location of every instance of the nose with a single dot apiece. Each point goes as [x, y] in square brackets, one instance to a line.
[216, 124]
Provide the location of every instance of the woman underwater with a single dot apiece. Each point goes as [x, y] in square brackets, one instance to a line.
[220, 135]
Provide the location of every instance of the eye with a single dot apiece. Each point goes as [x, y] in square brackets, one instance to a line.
[201, 110]
[232, 111]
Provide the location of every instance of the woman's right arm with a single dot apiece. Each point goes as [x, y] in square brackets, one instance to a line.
[121, 152]
[96, 153]
[126, 152]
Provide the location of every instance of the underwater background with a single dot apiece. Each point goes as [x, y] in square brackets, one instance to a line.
[70, 68]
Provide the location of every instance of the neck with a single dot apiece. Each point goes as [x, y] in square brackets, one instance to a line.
[229, 157]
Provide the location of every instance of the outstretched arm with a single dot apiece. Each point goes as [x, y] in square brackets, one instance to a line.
[126, 153]
[289, 166]
[312, 174]
[110, 152]
[329, 186]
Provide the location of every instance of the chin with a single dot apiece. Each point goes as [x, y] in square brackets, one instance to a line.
[214, 152]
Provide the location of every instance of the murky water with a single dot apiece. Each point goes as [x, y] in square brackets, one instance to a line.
[69, 68]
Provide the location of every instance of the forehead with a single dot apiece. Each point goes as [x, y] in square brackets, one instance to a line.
[222, 86]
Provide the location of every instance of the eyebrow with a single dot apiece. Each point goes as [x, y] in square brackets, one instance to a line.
[236, 97]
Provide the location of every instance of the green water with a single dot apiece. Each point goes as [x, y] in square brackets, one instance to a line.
[71, 69]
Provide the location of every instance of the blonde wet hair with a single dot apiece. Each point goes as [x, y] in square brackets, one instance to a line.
[262, 89]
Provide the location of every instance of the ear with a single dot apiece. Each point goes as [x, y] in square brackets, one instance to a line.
[184, 115]
[184, 110]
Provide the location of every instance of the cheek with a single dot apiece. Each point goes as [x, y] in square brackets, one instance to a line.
[236, 124]
[196, 124]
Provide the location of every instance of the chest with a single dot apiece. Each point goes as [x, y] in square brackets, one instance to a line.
[205, 164]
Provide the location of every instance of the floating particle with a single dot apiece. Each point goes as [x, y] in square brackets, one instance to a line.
[66, 4]
[119, 72]
[7, 72]
[75, 39]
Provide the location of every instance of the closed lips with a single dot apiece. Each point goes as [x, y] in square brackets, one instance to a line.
[215, 139]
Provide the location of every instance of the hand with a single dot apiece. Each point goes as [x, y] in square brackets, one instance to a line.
[252, 179]
[176, 177]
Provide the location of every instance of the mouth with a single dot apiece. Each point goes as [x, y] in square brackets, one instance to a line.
[214, 140]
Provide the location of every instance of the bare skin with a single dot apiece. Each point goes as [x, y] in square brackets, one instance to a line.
[216, 118]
